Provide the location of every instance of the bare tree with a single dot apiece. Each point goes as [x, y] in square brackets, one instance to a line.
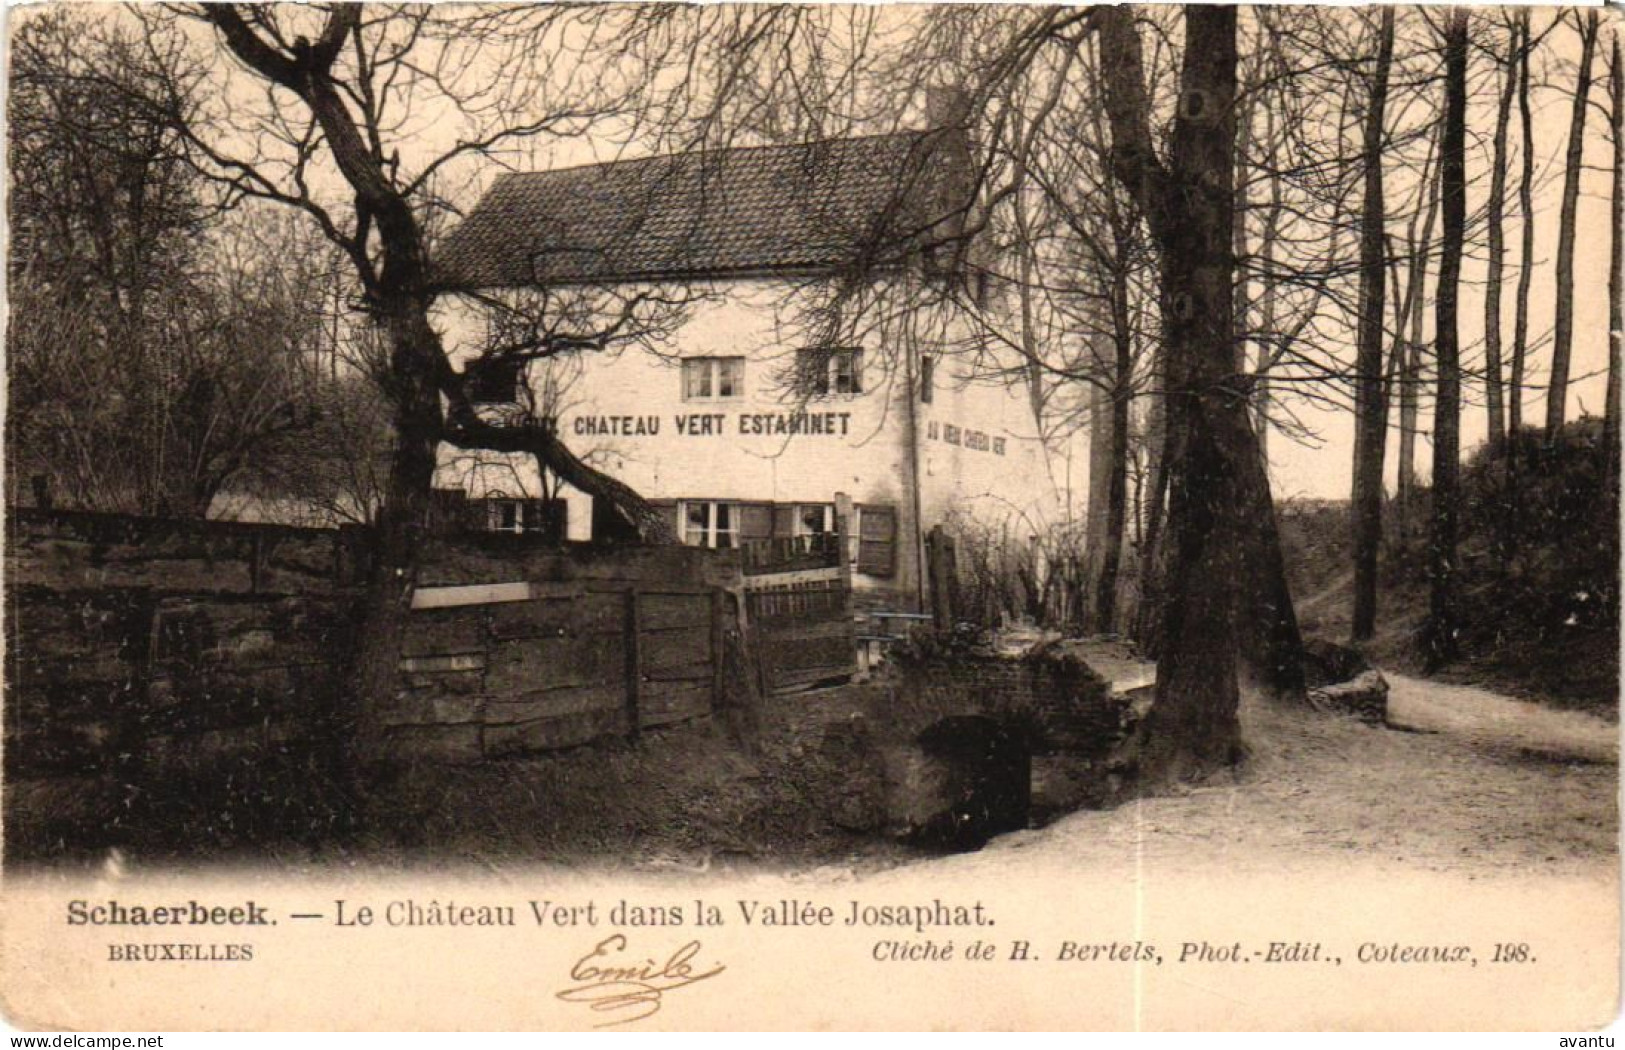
[1493, 386]
[1439, 637]
[1526, 217]
[1616, 268]
[1408, 328]
[345, 91]
[1189, 204]
[1371, 400]
[150, 361]
[1563, 330]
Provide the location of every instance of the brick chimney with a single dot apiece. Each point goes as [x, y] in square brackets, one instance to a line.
[949, 159]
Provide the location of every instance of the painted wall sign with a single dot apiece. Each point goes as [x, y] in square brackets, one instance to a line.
[975, 440]
[715, 424]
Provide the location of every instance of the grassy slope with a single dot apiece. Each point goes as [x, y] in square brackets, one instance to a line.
[1575, 668]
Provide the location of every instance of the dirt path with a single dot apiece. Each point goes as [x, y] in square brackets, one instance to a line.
[1481, 783]
[1499, 723]
[1322, 791]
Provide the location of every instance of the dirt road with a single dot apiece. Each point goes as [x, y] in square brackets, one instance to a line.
[1466, 781]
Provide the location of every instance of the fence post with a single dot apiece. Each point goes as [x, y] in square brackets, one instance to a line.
[941, 548]
[718, 681]
[843, 531]
[634, 666]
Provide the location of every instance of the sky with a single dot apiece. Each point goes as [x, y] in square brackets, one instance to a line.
[1320, 469]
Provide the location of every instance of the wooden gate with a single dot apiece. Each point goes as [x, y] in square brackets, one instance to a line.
[798, 599]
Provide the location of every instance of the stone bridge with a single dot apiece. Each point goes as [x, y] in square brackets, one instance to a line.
[953, 746]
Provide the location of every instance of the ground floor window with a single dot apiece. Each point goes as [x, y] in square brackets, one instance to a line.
[726, 524]
[708, 523]
[813, 519]
[504, 514]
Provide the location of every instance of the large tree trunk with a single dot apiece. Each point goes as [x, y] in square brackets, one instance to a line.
[1193, 727]
[1495, 220]
[400, 302]
[1563, 331]
[1439, 637]
[1271, 644]
[401, 523]
[1370, 395]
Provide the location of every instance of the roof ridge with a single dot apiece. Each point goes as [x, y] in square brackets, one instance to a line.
[733, 209]
[916, 132]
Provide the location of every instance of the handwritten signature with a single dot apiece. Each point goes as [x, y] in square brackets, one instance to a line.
[610, 983]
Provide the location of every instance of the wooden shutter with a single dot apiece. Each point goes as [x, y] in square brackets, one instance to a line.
[784, 519]
[877, 541]
[547, 517]
[447, 510]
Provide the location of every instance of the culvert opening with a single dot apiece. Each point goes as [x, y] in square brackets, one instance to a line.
[983, 772]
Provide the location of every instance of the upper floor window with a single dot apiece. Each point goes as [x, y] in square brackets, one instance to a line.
[823, 371]
[494, 382]
[713, 378]
[708, 523]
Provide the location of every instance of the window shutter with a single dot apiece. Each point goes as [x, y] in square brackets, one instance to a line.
[877, 541]
[447, 510]
[547, 517]
[755, 521]
[784, 519]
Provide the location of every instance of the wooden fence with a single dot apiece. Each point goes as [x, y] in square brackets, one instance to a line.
[501, 669]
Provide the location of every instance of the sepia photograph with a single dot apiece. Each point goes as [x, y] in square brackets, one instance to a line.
[1014, 517]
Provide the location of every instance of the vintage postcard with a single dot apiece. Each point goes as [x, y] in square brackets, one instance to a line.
[725, 517]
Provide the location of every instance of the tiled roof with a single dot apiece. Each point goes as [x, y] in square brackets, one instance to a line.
[748, 210]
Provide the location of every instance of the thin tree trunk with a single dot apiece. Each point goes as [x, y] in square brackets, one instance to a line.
[1526, 257]
[1117, 483]
[1410, 348]
[1100, 469]
[1616, 279]
[1439, 640]
[1563, 331]
[1495, 220]
[1148, 617]
[1370, 400]
[1266, 315]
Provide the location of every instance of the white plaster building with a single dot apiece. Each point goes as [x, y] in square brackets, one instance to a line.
[746, 423]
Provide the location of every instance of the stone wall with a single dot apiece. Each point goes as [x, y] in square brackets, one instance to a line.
[142, 651]
[81, 551]
[1056, 700]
